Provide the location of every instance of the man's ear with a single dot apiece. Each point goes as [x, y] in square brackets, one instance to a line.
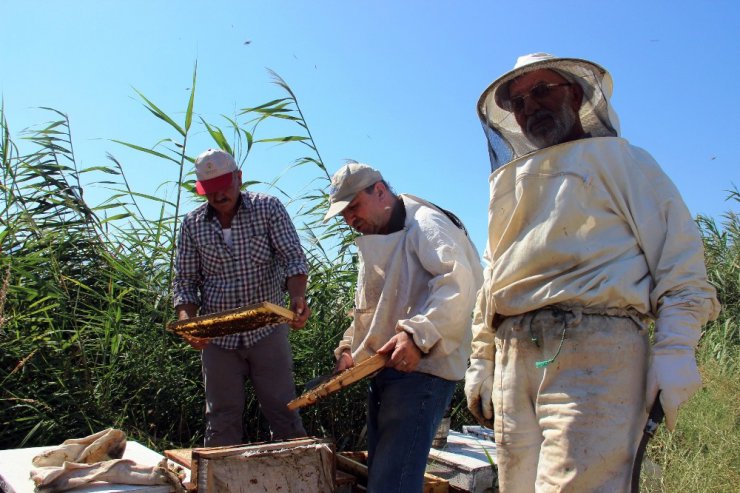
[380, 189]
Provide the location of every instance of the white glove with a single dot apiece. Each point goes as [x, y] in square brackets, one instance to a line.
[479, 390]
[673, 371]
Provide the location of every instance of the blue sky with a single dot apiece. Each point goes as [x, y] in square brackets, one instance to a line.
[390, 83]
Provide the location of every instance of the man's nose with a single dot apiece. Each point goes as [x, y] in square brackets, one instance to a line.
[530, 105]
[218, 196]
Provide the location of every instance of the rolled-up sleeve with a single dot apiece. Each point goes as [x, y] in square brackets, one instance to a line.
[456, 277]
[187, 269]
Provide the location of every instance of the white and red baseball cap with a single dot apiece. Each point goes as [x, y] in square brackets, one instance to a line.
[214, 171]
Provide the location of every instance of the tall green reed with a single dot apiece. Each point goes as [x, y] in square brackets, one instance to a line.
[721, 340]
[86, 303]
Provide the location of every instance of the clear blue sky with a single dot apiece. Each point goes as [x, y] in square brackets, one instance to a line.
[389, 82]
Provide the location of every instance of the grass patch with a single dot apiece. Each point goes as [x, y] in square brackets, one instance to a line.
[703, 454]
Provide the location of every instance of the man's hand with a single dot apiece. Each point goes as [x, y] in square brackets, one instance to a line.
[196, 342]
[297, 291]
[184, 312]
[405, 355]
[300, 307]
[479, 390]
[345, 361]
[673, 371]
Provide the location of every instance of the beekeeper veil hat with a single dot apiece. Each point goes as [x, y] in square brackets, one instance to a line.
[505, 138]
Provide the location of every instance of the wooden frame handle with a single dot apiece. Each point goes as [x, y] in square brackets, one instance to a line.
[340, 381]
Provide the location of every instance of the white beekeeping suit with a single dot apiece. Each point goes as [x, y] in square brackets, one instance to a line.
[588, 240]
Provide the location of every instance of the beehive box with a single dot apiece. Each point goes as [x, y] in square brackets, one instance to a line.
[298, 466]
[467, 462]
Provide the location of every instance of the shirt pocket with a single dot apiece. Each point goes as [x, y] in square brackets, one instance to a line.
[260, 249]
[217, 295]
[212, 257]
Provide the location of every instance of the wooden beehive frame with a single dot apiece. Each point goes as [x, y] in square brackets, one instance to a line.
[340, 381]
[242, 319]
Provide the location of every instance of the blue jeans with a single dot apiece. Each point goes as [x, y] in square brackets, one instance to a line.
[404, 410]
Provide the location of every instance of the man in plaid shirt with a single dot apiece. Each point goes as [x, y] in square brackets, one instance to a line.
[241, 248]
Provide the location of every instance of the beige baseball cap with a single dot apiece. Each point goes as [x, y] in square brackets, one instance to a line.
[213, 169]
[346, 183]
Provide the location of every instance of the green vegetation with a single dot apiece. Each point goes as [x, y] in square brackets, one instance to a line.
[703, 454]
[85, 297]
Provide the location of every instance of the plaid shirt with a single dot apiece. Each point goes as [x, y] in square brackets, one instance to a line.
[266, 251]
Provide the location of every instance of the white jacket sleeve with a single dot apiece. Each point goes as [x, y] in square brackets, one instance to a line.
[346, 343]
[483, 333]
[681, 297]
[445, 252]
[479, 375]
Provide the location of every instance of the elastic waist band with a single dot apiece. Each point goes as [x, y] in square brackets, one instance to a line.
[578, 310]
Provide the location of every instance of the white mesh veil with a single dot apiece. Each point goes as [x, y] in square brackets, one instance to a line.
[506, 140]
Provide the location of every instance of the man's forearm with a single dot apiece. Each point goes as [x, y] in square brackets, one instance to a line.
[297, 286]
[186, 310]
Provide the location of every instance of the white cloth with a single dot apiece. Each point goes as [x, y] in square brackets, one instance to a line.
[96, 457]
[72, 475]
[104, 445]
[422, 280]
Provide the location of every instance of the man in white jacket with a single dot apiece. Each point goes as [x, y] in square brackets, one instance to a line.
[418, 275]
[589, 240]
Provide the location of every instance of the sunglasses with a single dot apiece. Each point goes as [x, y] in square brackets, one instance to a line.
[538, 92]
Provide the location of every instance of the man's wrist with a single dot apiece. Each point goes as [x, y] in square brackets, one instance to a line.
[410, 336]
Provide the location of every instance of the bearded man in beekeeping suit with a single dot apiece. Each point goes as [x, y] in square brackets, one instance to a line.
[589, 240]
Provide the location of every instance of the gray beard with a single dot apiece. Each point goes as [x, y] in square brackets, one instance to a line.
[563, 121]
